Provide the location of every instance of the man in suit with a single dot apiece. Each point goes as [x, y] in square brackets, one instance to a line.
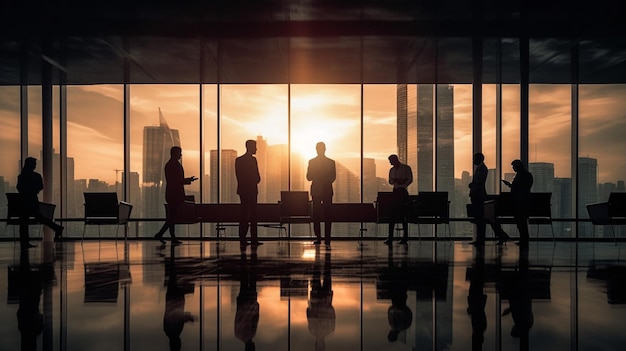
[322, 173]
[248, 178]
[174, 193]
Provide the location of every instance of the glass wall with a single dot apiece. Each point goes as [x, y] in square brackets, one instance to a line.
[361, 126]
[95, 148]
[9, 144]
[601, 162]
[549, 149]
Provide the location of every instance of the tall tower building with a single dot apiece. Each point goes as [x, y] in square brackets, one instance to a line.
[425, 131]
[157, 142]
[262, 158]
[543, 176]
[227, 178]
[587, 191]
[407, 131]
[346, 186]
[276, 174]
[370, 182]
[415, 113]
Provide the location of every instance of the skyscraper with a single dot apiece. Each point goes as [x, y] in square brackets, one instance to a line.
[587, 191]
[543, 176]
[157, 142]
[227, 178]
[415, 135]
[407, 129]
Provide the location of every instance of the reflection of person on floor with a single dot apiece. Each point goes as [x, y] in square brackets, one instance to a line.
[175, 316]
[247, 315]
[476, 299]
[520, 302]
[321, 314]
[399, 315]
[174, 193]
[29, 318]
[29, 184]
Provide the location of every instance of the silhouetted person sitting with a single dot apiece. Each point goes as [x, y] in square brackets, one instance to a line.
[520, 190]
[175, 317]
[321, 314]
[174, 193]
[400, 176]
[322, 173]
[248, 178]
[247, 315]
[29, 184]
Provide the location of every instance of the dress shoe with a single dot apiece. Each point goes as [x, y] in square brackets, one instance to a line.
[477, 243]
[388, 241]
[257, 243]
[317, 242]
[28, 245]
[176, 241]
[160, 237]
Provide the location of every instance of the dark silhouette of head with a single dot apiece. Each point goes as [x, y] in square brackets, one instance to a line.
[29, 164]
[478, 158]
[176, 152]
[320, 148]
[394, 160]
[251, 147]
[518, 165]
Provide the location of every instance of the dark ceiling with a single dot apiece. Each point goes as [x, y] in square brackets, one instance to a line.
[311, 41]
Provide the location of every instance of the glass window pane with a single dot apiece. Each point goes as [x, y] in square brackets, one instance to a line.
[380, 118]
[252, 112]
[162, 116]
[9, 144]
[549, 149]
[601, 165]
[95, 147]
[454, 149]
[329, 114]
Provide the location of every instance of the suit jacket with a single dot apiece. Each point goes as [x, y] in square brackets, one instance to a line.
[322, 173]
[175, 181]
[477, 186]
[247, 172]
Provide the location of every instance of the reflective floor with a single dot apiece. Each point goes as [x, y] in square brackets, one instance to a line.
[428, 295]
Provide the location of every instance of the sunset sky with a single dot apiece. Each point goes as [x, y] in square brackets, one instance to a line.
[329, 113]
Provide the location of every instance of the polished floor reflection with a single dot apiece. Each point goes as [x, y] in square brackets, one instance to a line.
[139, 295]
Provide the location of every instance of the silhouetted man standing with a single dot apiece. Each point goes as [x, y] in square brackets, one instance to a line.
[400, 176]
[29, 184]
[248, 178]
[174, 193]
[478, 196]
[322, 173]
[520, 189]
